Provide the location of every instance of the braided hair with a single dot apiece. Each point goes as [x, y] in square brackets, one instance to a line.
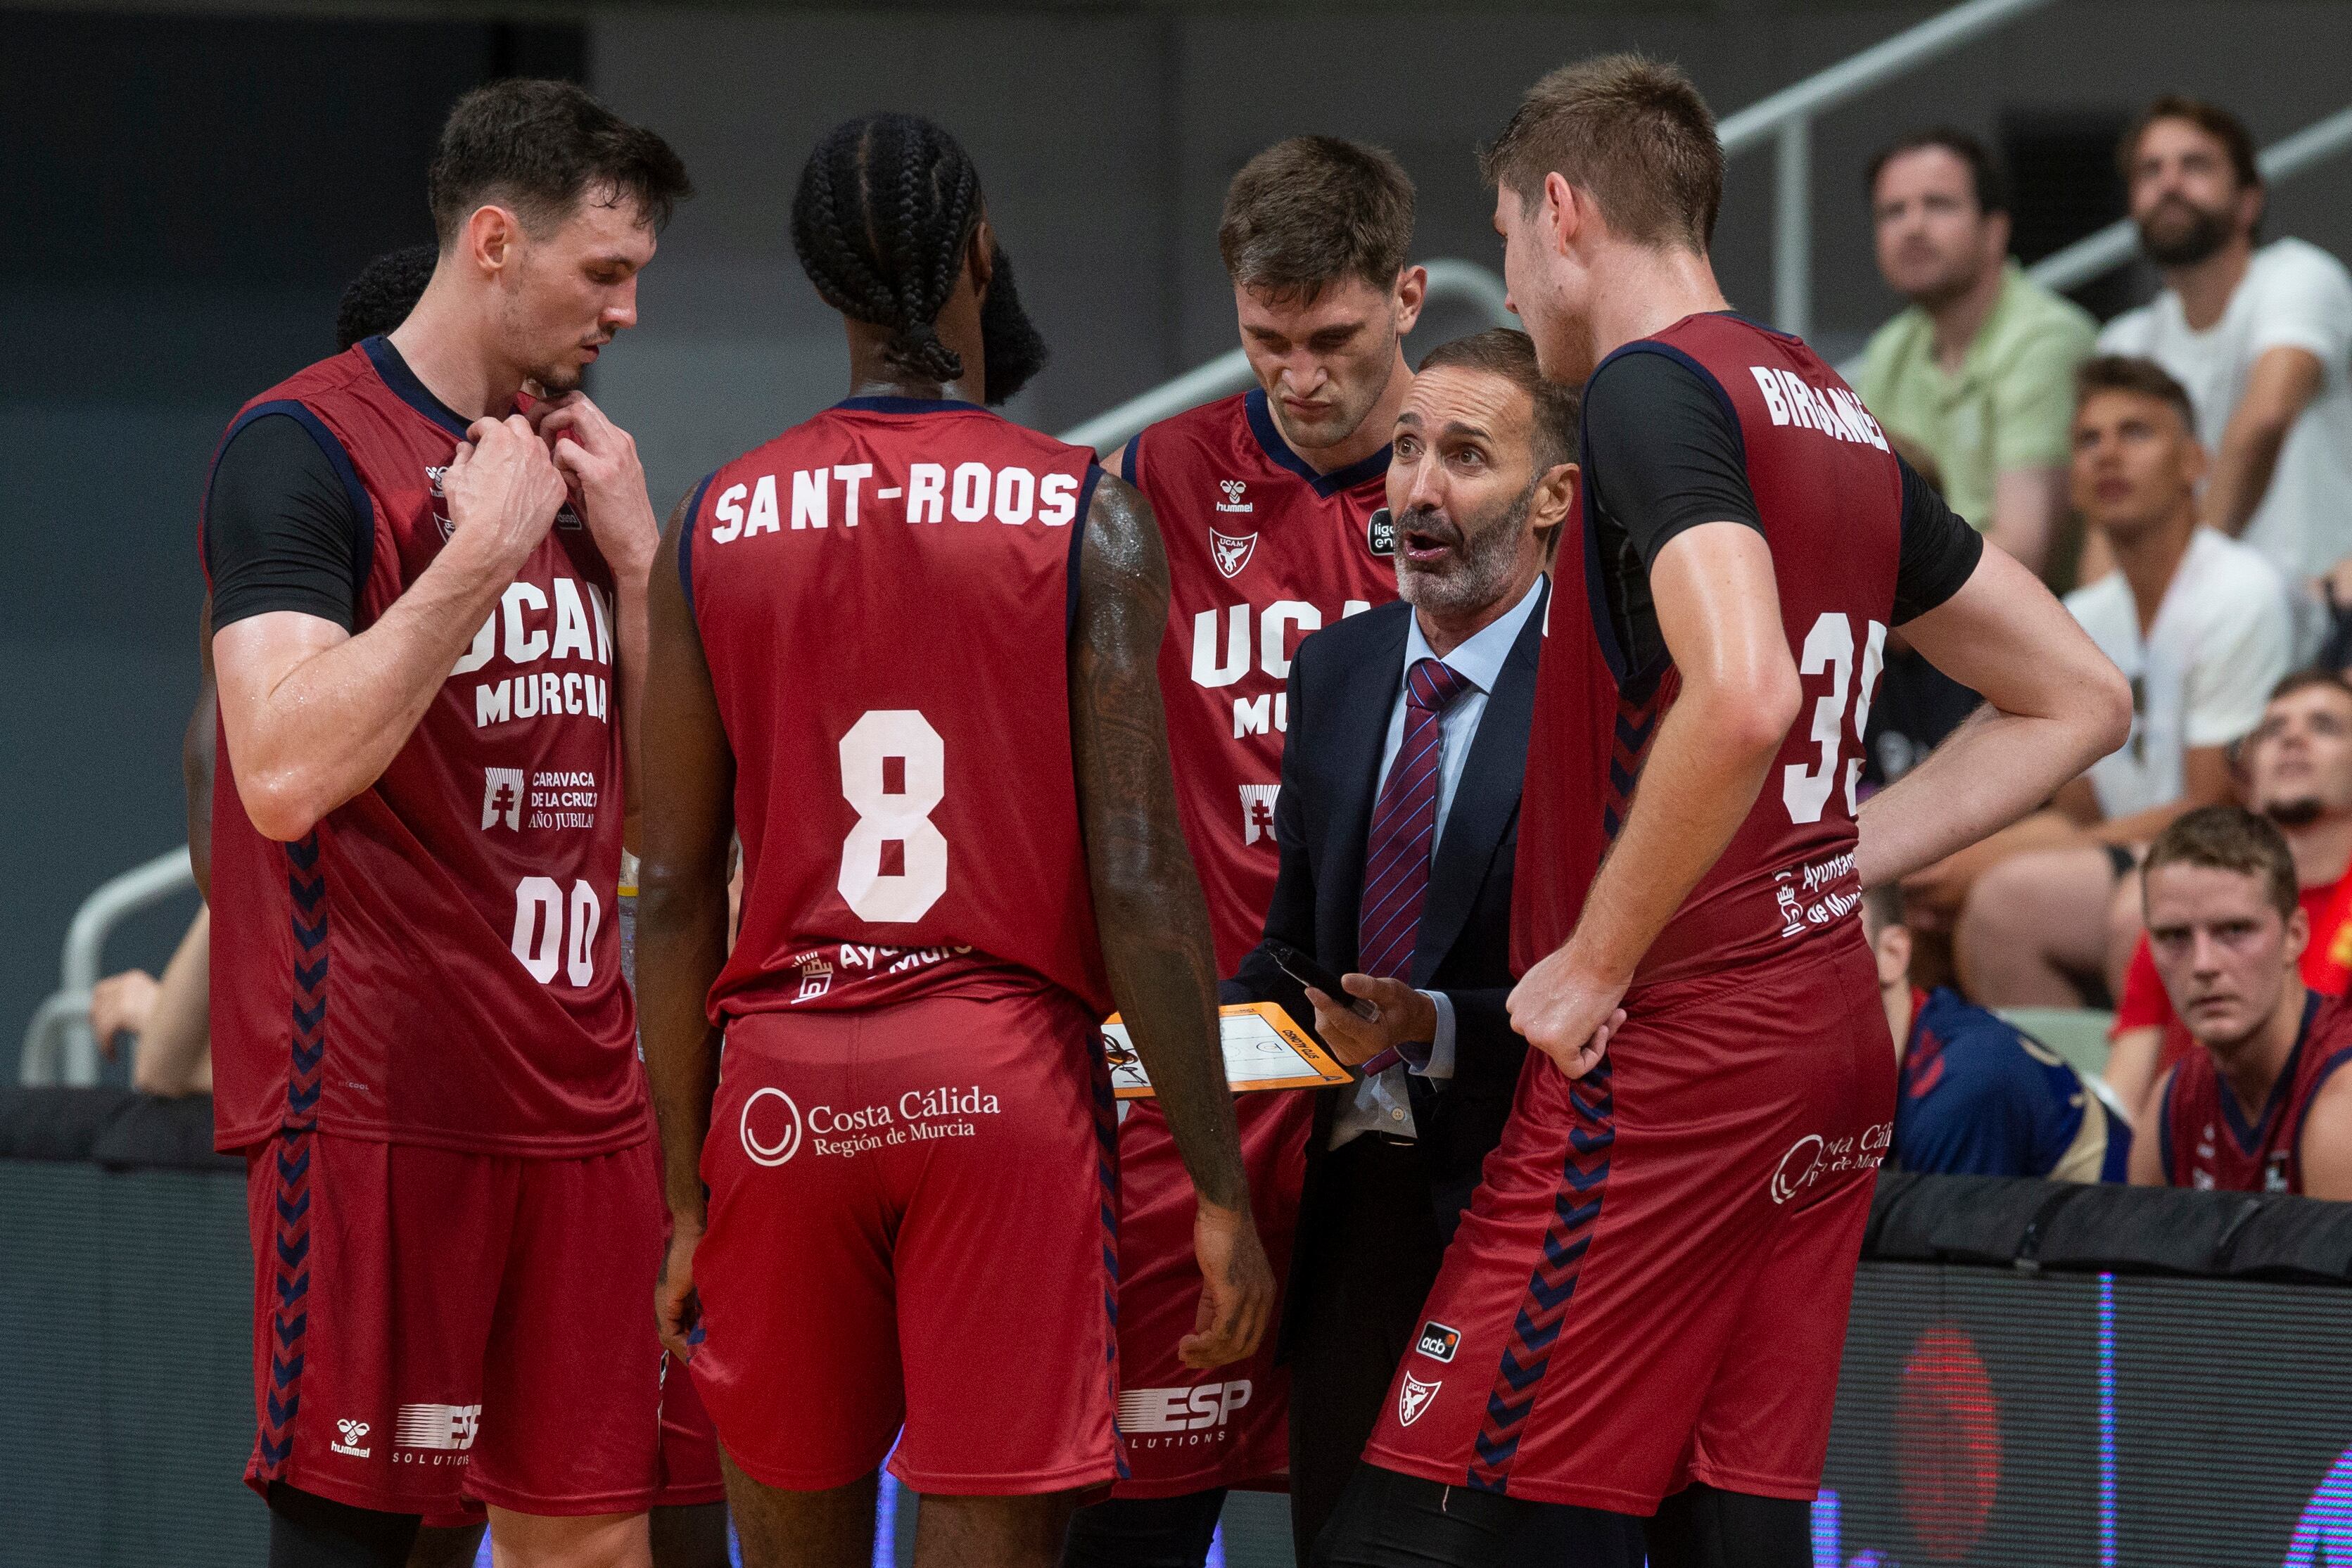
[886, 205]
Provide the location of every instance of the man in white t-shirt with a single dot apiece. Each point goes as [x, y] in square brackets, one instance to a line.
[2199, 625]
[2261, 337]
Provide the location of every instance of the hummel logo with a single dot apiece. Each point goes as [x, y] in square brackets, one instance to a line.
[352, 1432]
[1233, 501]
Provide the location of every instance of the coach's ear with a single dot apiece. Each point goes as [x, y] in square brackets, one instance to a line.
[1554, 504]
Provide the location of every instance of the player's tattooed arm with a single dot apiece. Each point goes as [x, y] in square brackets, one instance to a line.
[1147, 904]
[688, 826]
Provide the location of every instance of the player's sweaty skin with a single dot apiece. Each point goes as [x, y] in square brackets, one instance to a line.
[1147, 904]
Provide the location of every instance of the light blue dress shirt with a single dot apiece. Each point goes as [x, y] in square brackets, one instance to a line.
[1379, 1103]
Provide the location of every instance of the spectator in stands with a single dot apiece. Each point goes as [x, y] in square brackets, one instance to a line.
[2197, 622]
[2261, 337]
[2261, 1107]
[1980, 370]
[168, 1020]
[1976, 1096]
[2298, 773]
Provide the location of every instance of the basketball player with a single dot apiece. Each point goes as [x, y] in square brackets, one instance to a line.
[2259, 1106]
[1644, 1308]
[906, 650]
[426, 662]
[1264, 501]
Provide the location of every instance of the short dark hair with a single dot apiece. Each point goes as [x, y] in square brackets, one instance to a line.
[2295, 681]
[2229, 838]
[2131, 374]
[1984, 169]
[540, 147]
[1632, 130]
[887, 204]
[1511, 354]
[1881, 906]
[2208, 117]
[1313, 210]
[380, 298]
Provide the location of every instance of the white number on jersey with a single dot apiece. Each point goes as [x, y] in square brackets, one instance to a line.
[1830, 646]
[887, 816]
[540, 928]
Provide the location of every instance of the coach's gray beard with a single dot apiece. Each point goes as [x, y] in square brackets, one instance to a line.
[1478, 575]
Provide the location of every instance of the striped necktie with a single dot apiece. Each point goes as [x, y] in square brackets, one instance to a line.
[1405, 823]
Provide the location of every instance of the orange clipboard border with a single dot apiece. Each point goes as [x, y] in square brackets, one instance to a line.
[1281, 1023]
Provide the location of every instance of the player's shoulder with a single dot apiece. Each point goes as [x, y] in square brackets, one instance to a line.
[1214, 434]
[318, 383]
[2331, 1026]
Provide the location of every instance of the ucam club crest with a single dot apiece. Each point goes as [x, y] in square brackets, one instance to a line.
[1413, 1398]
[1231, 554]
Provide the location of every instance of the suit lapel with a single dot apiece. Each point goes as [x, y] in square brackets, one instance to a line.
[1370, 698]
[1483, 802]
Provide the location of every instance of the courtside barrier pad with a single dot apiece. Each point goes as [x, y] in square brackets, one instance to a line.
[121, 1129]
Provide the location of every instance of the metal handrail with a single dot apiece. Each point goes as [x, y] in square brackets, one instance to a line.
[1450, 279]
[1789, 116]
[2111, 247]
[58, 1047]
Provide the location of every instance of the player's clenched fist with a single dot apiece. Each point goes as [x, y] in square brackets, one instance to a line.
[1566, 1014]
[677, 1312]
[501, 485]
[1236, 1287]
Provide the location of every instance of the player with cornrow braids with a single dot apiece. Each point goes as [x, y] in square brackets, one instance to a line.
[902, 181]
[961, 847]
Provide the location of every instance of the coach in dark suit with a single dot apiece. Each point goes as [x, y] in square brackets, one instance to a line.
[1397, 825]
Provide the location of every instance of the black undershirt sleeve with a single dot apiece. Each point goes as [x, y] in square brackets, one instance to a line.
[280, 530]
[1664, 452]
[1939, 551]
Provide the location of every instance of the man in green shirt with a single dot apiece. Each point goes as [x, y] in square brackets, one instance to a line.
[1979, 371]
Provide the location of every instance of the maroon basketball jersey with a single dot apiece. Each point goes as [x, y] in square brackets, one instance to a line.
[2206, 1140]
[1829, 494]
[884, 595]
[438, 961]
[1261, 551]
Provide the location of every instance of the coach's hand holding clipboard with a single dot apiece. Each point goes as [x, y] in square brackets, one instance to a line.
[1364, 1020]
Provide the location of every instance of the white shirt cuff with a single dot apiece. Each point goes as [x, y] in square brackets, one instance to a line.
[1440, 1040]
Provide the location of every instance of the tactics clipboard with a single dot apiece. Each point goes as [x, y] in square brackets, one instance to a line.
[1265, 1049]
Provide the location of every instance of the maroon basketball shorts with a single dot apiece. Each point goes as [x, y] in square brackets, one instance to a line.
[1649, 1289]
[435, 1330]
[912, 1216]
[1188, 1430]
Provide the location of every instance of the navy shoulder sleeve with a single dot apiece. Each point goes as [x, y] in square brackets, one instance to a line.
[1663, 450]
[282, 530]
[1940, 551]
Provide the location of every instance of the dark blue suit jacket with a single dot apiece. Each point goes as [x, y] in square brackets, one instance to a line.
[1343, 686]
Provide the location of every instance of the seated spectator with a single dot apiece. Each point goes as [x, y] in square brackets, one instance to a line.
[2261, 337]
[1980, 370]
[2259, 1106]
[2298, 773]
[2199, 625]
[168, 1020]
[1976, 1096]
